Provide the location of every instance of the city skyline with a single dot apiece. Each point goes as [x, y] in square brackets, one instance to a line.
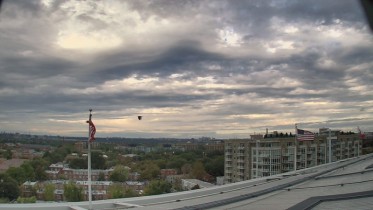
[221, 69]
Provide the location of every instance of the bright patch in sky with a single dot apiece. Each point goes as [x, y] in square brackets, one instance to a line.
[93, 41]
[230, 38]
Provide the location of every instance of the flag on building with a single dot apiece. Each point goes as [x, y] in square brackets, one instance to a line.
[92, 131]
[303, 135]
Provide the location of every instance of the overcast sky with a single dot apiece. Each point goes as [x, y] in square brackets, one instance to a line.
[191, 68]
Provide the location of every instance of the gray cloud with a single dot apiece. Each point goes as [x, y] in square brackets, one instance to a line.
[193, 68]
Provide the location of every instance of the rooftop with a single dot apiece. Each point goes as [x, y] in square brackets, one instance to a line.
[344, 184]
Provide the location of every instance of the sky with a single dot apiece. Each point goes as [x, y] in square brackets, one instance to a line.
[191, 68]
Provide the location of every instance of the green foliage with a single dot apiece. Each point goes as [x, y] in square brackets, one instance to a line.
[161, 163]
[78, 163]
[40, 165]
[98, 161]
[117, 190]
[215, 166]
[101, 177]
[198, 170]
[17, 174]
[72, 192]
[130, 193]
[28, 171]
[177, 185]
[26, 200]
[49, 192]
[4, 200]
[59, 154]
[8, 187]
[186, 168]
[177, 162]
[149, 170]
[119, 174]
[157, 187]
[8, 154]
[188, 156]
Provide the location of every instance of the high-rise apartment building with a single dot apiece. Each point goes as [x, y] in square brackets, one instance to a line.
[272, 154]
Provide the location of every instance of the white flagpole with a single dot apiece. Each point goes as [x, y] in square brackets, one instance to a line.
[295, 148]
[330, 145]
[89, 162]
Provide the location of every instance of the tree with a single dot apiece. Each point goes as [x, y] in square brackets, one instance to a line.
[28, 171]
[198, 170]
[215, 167]
[78, 163]
[176, 163]
[98, 161]
[8, 154]
[188, 156]
[8, 187]
[101, 177]
[49, 192]
[157, 187]
[59, 154]
[116, 191]
[40, 166]
[130, 193]
[150, 171]
[72, 192]
[186, 168]
[17, 174]
[119, 174]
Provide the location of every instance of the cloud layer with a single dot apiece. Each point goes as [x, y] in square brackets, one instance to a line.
[192, 68]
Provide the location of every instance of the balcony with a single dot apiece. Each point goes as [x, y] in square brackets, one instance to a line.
[240, 173]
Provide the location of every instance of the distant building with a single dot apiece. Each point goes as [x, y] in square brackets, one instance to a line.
[59, 170]
[211, 146]
[28, 189]
[259, 157]
[82, 174]
[100, 189]
[168, 172]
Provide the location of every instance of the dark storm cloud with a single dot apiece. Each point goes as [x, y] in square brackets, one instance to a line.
[184, 56]
[36, 68]
[326, 11]
[31, 7]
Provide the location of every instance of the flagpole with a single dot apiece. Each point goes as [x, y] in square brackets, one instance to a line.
[295, 148]
[330, 145]
[89, 162]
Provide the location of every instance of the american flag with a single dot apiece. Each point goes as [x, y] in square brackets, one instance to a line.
[92, 130]
[361, 134]
[303, 135]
